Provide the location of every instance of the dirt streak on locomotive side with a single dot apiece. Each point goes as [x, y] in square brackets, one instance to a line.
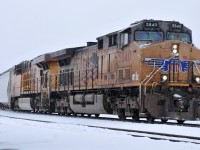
[149, 69]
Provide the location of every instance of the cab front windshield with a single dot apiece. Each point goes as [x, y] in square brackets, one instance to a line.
[148, 36]
[185, 37]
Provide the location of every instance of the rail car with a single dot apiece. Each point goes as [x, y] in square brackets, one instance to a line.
[150, 69]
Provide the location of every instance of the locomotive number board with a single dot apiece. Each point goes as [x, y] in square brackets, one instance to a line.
[151, 24]
[176, 26]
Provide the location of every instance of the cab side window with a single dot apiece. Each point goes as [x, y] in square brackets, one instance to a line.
[113, 40]
[100, 44]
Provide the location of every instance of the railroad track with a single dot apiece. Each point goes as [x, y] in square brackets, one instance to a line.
[117, 119]
[159, 136]
[134, 133]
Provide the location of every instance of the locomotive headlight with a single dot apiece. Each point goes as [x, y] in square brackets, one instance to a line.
[164, 78]
[175, 49]
[175, 46]
[197, 79]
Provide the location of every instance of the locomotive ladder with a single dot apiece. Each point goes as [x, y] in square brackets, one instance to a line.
[45, 93]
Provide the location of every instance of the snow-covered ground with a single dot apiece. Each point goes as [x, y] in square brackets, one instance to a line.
[70, 133]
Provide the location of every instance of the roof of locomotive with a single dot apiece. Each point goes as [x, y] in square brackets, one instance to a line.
[56, 54]
[66, 51]
[140, 23]
[40, 58]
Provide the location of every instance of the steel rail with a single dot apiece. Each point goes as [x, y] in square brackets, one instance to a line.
[134, 133]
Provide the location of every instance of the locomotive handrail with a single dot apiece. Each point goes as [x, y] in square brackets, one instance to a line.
[148, 74]
[150, 77]
[196, 66]
[153, 75]
[140, 90]
[156, 72]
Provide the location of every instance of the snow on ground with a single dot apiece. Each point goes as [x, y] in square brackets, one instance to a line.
[68, 133]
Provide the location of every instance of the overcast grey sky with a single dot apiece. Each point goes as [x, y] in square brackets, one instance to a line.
[29, 28]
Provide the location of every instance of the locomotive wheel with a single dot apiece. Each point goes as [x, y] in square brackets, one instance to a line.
[34, 110]
[82, 115]
[122, 117]
[49, 112]
[68, 114]
[164, 120]
[97, 115]
[150, 119]
[180, 121]
[121, 114]
[89, 115]
[135, 117]
[75, 114]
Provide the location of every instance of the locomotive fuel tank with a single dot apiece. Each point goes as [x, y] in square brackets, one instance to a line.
[25, 104]
[90, 104]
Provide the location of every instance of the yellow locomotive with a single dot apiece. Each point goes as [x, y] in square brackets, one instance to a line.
[149, 69]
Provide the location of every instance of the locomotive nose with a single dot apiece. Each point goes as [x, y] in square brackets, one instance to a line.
[180, 67]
